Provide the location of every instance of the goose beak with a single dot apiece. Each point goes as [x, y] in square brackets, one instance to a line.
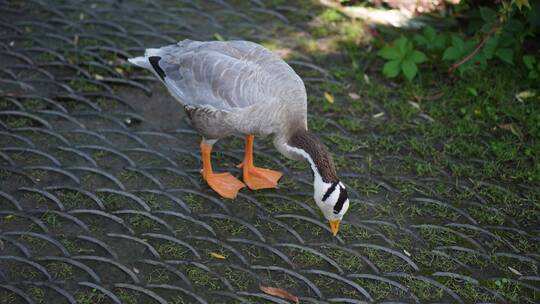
[334, 225]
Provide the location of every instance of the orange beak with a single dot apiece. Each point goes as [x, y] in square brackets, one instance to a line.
[334, 225]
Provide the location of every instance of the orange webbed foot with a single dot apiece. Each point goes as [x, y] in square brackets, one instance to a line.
[257, 178]
[260, 178]
[224, 184]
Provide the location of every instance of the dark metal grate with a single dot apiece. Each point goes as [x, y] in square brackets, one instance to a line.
[101, 197]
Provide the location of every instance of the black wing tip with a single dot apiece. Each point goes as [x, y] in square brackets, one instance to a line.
[154, 61]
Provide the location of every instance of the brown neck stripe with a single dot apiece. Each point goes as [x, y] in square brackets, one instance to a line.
[307, 141]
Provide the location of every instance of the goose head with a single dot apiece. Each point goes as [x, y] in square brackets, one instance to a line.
[333, 201]
[329, 192]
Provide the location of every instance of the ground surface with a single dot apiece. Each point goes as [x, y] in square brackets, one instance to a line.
[101, 200]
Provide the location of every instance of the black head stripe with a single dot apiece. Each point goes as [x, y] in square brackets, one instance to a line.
[329, 191]
[154, 61]
[341, 200]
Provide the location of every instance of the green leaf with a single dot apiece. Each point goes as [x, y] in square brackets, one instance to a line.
[506, 55]
[391, 68]
[430, 39]
[514, 26]
[458, 43]
[491, 47]
[440, 42]
[472, 91]
[481, 58]
[421, 40]
[521, 3]
[409, 69]
[529, 61]
[465, 68]
[488, 14]
[418, 57]
[451, 54]
[429, 33]
[507, 39]
[402, 44]
[389, 53]
[486, 28]
[468, 46]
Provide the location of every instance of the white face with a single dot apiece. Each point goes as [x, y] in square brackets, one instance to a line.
[331, 198]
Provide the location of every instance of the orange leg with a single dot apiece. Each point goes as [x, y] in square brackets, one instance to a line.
[257, 178]
[224, 184]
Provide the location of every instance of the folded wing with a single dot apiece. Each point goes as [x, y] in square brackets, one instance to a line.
[224, 75]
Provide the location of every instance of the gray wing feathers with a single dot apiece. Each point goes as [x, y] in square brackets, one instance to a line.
[224, 75]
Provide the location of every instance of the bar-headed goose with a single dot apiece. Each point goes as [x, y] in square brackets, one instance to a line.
[239, 87]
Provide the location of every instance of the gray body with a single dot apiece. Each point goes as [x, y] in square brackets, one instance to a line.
[239, 87]
[233, 87]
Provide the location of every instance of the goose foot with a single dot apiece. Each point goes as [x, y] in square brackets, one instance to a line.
[257, 178]
[261, 178]
[224, 184]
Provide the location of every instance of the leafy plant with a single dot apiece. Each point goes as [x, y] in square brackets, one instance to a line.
[402, 58]
[532, 66]
[457, 49]
[430, 39]
[498, 34]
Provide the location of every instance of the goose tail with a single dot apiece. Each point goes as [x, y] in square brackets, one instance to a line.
[140, 61]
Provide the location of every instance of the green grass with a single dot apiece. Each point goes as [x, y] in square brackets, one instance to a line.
[127, 296]
[227, 227]
[159, 276]
[83, 86]
[38, 294]
[143, 223]
[344, 144]
[365, 187]
[127, 175]
[305, 259]
[384, 261]
[35, 243]
[9, 297]
[511, 291]
[71, 246]
[379, 290]
[52, 220]
[179, 300]
[429, 260]
[186, 160]
[438, 236]
[425, 291]
[35, 198]
[202, 279]
[111, 201]
[19, 122]
[346, 260]
[351, 233]
[23, 272]
[195, 203]
[171, 250]
[279, 206]
[74, 199]
[60, 271]
[240, 280]
[155, 203]
[92, 296]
